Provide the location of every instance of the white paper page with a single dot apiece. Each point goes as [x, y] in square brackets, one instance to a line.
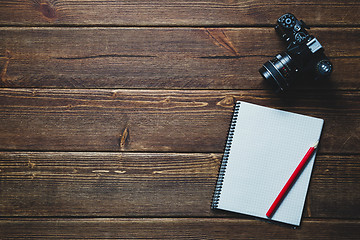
[268, 145]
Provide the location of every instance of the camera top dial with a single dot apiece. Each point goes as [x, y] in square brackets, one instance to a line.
[287, 20]
[300, 37]
[323, 68]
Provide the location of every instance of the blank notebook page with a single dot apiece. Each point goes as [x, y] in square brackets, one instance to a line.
[267, 146]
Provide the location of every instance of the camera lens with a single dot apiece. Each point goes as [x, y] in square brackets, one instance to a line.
[278, 71]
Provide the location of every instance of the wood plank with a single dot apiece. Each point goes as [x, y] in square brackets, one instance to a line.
[169, 228]
[149, 184]
[161, 120]
[185, 58]
[175, 13]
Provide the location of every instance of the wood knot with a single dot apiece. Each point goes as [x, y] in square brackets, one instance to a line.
[124, 138]
[7, 54]
[220, 38]
[30, 164]
[47, 10]
[3, 78]
[166, 100]
[227, 102]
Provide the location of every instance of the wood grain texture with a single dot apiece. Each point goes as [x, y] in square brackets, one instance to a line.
[175, 13]
[172, 58]
[161, 120]
[82, 156]
[179, 228]
[149, 184]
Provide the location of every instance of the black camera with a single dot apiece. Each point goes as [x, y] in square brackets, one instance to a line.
[304, 56]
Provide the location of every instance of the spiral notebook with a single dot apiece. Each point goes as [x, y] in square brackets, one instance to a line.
[263, 149]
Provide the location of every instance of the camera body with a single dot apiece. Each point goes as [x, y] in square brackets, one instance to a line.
[304, 56]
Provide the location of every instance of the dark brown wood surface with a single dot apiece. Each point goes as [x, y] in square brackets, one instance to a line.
[175, 13]
[181, 58]
[174, 228]
[150, 184]
[114, 116]
[158, 120]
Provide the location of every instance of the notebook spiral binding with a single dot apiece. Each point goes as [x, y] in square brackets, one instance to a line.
[219, 183]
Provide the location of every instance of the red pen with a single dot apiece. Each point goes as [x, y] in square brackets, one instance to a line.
[291, 181]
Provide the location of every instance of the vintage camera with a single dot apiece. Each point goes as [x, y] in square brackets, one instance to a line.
[304, 56]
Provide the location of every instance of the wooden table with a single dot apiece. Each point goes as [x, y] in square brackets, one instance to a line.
[114, 116]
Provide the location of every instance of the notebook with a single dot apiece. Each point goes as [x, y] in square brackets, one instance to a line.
[263, 149]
